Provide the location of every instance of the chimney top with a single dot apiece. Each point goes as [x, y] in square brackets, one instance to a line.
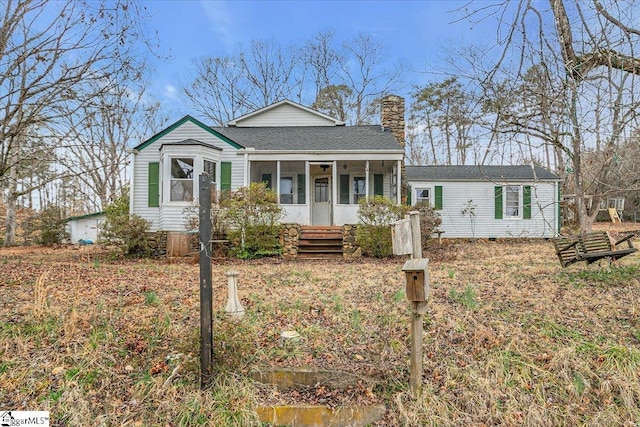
[392, 116]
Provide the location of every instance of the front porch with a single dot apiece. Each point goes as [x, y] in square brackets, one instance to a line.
[326, 192]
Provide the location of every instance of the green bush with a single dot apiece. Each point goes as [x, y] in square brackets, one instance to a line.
[253, 216]
[376, 214]
[51, 226]
[127, 232]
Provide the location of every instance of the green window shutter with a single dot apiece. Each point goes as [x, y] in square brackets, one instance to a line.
[378, 186]
[302, 189]
[344, 189]
[498, 202]
[438, 197]
[409, 191]
[225, 176]
[266, 178]
[154, 185]
[526, 202]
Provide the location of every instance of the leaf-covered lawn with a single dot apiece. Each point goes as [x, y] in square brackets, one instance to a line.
[510, 337]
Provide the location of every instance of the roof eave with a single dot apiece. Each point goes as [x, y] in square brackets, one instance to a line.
[179, 123]
[235, 121]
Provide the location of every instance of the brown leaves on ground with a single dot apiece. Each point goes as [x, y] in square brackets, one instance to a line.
[510, 338]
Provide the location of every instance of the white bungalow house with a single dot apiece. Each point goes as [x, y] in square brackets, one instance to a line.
[489, 201]
[319, 167]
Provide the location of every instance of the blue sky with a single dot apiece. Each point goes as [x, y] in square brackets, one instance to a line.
[414, 31]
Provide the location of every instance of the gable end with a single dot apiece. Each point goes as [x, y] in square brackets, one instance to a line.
[179, 123]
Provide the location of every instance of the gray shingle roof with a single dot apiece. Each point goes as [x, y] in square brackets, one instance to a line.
[479, 173]
[320, 138]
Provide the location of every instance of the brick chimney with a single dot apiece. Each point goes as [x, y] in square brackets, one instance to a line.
[392, 116]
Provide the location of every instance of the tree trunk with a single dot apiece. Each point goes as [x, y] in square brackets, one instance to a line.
[10, 219]
[585, 221]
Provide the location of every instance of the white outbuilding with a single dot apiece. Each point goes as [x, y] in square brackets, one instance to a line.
[489, 201]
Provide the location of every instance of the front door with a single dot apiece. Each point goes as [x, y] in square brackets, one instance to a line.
[321, 206]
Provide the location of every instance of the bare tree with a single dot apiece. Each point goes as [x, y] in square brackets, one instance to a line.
[271, 73]
[218, 90]
[47, 49]
[223, 88]
[346, 81]
[321, 56]
[364, 70]
[587, 50]
[99, 134]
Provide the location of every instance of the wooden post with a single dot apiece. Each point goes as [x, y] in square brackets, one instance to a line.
[417, 278]
[418, 309]
[416, 238]
[206, 303]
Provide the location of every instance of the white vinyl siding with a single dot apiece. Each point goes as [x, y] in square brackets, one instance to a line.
[456, 196]
[140, 192]
[170, 216]
[285, 115]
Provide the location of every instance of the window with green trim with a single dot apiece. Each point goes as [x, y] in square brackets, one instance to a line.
[512, 206]
[513, 202]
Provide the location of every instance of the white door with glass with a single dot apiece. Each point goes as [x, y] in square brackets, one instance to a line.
[321, 206]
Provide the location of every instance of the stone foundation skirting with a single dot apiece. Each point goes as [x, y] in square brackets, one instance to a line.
[289, 235]
[157, 242]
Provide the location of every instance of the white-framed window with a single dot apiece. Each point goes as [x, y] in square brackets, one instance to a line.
[286, 190]
[181, 182]
[210, 168]
[423, 195]
[512, 201]
[359, 188]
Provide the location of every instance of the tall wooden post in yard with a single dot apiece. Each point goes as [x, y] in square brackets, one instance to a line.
[206, 303]
[407, 240]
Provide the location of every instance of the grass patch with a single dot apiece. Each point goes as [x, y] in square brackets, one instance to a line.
[611, 276]
[467, 298]
[113, 345]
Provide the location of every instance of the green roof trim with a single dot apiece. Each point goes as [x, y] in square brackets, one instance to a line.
[179, 123]
[84, 216]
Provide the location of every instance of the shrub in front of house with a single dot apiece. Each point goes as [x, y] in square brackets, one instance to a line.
[429, 220]
[253, 215]
[126, 232]
[375, 216]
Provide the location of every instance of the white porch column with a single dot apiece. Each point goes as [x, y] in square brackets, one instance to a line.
[247, 173]
[366, 179]
[307, 190]
[334, 186]
[399, 182]
[278, 180]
